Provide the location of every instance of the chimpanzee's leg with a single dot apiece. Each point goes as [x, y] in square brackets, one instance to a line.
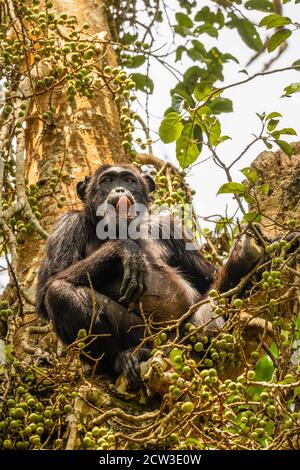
[116, 330]
[246, 253]
[244, 256]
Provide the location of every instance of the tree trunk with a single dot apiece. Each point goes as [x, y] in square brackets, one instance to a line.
[84, 135]
[282, 174]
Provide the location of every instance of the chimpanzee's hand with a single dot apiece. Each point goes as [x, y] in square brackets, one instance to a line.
[134, 280]
[128, 363]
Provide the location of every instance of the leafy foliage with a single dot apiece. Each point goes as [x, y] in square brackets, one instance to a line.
[170, 128]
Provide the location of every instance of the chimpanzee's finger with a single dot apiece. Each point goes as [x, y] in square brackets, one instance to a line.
[133, 372]
[131, 287]
[138, 292]
[126, 279]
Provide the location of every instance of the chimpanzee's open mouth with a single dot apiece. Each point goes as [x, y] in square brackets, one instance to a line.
[123, 205]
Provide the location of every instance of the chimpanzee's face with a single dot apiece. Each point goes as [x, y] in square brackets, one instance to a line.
[120, 187]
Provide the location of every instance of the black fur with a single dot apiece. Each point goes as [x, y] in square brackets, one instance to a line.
[89, 283]
[81, 187]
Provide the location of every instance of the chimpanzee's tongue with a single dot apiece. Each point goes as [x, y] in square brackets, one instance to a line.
[123, 205]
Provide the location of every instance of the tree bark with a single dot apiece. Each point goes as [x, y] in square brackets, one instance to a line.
[84, 135]
[282, 203]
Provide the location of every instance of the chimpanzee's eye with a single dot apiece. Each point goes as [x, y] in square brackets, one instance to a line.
[130, 179]
[106, 179]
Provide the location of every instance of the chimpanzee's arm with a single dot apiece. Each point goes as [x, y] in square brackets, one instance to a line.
[65, 246]
[104, 261]
[244, 256]
[184, 253]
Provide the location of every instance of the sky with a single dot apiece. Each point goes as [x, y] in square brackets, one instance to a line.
[260, 95]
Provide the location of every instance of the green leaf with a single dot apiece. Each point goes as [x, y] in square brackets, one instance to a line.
[250, 175]
[199, 47]
[181, 30]
[272, 124]
[202, 92]
[264, 369]
[265, 20]
[177, 101]
[186, 149]
[260, 5]
[179, 51]
[129, 38]
[292, 88]
[194, 54]
[296, 64]
[200, 115]
[274, 21]
[227, 57]
[136, 61]
[264, 188]
[248, 198]
[143, 82]
[287, 131]
[203, 110]
[285, 147]
[220, 18]
[223, 138]
[275, 134]
[249, 34]
[267, 144]
[207, 16]
[278, 38]
[274, 350]
[272, 115]
[252, 217]
[278, 22]
[198, 51]
[221, 105]
[191, 77]
[9, 354]
[208, 29]
[181, 90]
[184, 20]
[215, 133]
[198, 136]
[170, 128]
[231, 187]
[261, 116]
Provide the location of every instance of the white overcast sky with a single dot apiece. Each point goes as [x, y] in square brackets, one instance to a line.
[261, 94]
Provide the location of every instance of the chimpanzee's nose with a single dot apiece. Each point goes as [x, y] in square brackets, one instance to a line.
[120, 190]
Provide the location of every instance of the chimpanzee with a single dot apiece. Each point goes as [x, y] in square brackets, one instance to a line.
[106, 285]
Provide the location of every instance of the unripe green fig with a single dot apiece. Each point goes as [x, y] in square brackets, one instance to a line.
[187, 407]
[198, 346]
[213, 293]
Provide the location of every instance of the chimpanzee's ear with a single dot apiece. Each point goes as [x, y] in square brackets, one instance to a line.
[81, 187]
[150, 183]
